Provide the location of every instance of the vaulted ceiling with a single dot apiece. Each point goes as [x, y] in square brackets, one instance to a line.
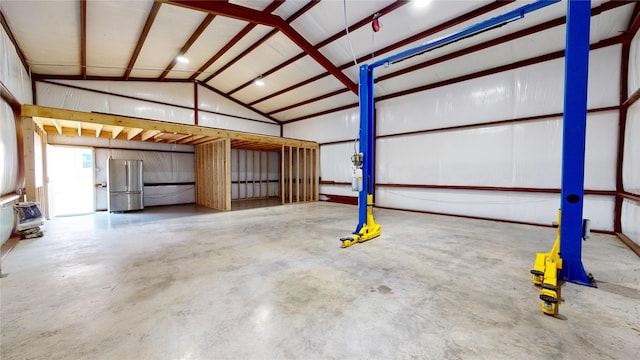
[304, 51]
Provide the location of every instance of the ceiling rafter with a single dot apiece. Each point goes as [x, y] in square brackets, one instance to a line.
[263, 18]
[462, 52]
[448, 24]
[143, 36]
[334, 37]
[274, 5]
[196, 34]
[304, 9]
[327, 41]
[83, 38]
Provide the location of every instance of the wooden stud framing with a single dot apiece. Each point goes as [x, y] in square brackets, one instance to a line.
[246, 175]
[57, 125]
[317, 175]
[260, 174]
[29, 158]
[290, 174]
[281, 181]
[227, 174]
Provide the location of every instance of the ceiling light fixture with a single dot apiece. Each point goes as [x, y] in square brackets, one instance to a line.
[181, 59]
[259, 81]
[421, 3]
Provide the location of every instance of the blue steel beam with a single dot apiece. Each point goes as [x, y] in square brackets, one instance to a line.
[489, 24]
[573, 140]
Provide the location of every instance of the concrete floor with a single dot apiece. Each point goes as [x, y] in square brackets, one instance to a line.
[189, 283]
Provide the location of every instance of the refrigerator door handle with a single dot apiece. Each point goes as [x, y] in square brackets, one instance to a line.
[126, 176]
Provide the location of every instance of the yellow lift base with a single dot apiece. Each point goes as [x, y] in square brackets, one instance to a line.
[368, 231]
[545, 274]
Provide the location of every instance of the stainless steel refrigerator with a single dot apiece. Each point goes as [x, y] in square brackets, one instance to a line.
[124, 185]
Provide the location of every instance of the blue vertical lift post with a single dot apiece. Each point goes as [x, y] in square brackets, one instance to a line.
[564, 261]
[573, 145]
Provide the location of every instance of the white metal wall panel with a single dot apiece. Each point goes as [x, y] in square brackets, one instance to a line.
[335, 162]
[317, 88]
[165, 92]
[7, 222]
[56, 139]
[12, 74]
[337, 126]
[631, 162]
[231, 123]
[631, 220]
[10, 165]
[169, 195]
[522, 155]
[210, 101]
[146, 110]
[340, 190]
[517, 206]
[533, 90]
[60, 96]
[343, 99]
[634, 65]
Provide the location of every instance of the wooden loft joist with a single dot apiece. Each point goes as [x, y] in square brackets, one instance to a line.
[79, 123]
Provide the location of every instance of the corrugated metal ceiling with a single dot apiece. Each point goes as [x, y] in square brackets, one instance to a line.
[230, 44]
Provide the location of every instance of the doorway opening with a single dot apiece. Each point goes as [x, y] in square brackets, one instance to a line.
[71, 180]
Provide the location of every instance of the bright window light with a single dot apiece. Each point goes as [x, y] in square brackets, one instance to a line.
[183, 60]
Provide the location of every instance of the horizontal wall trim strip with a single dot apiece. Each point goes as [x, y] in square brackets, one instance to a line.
[494, 123]
[338, 142]
[495, 188]
[331, 182]
[630, 196]
[630, 243]
[527, 62]
[41, 77]
[485, 218]
[478, 188]
[151, 101]
[340, 199]
[170, 184]
[489, 123]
